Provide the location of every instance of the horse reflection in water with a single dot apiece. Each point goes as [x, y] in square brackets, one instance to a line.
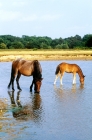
[69, 68]
[63, 93]
[26, 68]
[26, 112]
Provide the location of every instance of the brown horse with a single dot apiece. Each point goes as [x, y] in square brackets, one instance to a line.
[26, 68]
[69, 68]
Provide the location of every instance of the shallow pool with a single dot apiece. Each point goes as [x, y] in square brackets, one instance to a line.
[57, 113]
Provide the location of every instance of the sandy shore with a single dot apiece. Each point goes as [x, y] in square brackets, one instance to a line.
[6, 56]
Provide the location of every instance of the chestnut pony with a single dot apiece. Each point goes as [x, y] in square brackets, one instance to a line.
[26, 68]
[69, 68]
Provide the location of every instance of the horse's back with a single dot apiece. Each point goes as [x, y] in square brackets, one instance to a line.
[18, 63]
[19, 60]
[26, 67]
[69, 67]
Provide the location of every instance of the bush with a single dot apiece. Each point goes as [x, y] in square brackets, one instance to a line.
[3, 46]
[35, 49]
[17, 45]
[62, 46]
[65, 46]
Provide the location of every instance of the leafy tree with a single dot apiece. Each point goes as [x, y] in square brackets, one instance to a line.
[60, 41]
[32, 42]
[86, 37]
[1, 40]
[17, 45]
[43, 40]
[59, 46]
[65, 46]
[48, 39]
[3, 46]
[89, 42]
[62, 46]
[74, 41]
[43, 46]
[78, 37]
[54, 43]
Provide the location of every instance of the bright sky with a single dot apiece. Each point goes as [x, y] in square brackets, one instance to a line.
[52, 18]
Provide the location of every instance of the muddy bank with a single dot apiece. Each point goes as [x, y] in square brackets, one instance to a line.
[8, 58]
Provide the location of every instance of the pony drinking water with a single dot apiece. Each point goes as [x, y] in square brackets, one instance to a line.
[69, 68]
[26, 68]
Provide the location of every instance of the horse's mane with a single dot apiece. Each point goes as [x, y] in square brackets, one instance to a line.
[37, 70]
[80, 70]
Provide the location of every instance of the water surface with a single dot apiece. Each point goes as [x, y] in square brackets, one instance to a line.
[58, 112]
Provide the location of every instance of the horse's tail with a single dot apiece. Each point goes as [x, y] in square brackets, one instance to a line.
[57, 70]
[12, 72]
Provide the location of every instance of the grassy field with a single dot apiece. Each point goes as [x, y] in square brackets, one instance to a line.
[9, 55]
[45, 52]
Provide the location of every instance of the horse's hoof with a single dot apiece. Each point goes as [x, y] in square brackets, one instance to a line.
[36, 91]
[61, 84]
[20, 89]
[74, 83]
[30, 90]
[13, 89]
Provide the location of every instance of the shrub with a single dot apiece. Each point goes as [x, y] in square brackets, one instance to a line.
[3, 46]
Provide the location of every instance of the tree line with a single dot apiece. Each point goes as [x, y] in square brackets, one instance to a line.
[33, 42]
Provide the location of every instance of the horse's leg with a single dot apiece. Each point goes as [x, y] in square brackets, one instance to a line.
[61, 76]
[74, 78]
[13, 84]
[17, 80]
[56, 79]
[12, 81]
[31, 86]
[13, 74]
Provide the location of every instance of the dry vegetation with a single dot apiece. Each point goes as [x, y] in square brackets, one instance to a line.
[10, 55]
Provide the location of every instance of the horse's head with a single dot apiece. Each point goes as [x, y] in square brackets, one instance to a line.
[82, 80]
[37, 85]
